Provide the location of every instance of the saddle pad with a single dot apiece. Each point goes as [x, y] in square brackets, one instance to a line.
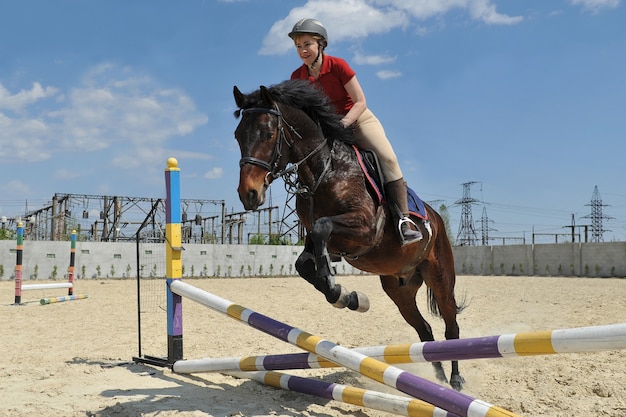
[416, 205]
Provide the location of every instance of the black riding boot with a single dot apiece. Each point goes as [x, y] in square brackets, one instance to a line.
[399, 208]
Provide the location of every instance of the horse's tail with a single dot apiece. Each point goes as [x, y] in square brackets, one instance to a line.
[446, 264]
[433, 306]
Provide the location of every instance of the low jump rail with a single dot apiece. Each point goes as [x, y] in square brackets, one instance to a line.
[53, 300]
[574, 340]
[448, 399]
[357, 396]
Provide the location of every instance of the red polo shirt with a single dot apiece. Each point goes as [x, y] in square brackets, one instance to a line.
[335, 73]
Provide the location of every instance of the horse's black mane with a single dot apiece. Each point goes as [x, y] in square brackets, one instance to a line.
[305, 96]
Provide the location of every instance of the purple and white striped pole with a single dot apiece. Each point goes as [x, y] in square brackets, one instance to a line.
[574, 340]
[375, 400]
[445, 398]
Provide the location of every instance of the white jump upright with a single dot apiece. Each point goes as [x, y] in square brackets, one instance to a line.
[20, 286]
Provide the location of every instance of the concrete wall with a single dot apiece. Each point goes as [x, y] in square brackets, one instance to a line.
[563, 259]
[46, 260]
[50, 260]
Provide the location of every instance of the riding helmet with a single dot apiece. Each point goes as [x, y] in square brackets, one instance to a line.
[311, 27]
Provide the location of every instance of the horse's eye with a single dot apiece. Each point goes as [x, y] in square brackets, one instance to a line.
[269, 135]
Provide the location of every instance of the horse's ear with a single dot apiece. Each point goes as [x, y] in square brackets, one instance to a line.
[239, 97]
[266, 95]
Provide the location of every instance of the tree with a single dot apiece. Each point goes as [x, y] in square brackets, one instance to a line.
[445, 216]
[6, 234]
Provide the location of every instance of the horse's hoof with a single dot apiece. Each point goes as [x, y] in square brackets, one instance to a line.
[440, 374]
[456, 382]
[358, 302]
[343, 299]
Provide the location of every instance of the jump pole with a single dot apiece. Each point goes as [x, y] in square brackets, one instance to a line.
[174, 262]
[357, 396]
[442, 397]
[574, 340]
[18, 263]
[47, 286]
[70, 290]
[53, 300]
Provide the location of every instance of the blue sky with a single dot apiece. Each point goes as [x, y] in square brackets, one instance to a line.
[527, 98]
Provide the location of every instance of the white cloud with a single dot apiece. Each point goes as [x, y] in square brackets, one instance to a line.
[344, 20]
[17, 102]
[15, 187]
[23, 138]
[595, 6]
[131, 110]
[214, 173]
[113, 107]
[356, 19]
[386, 74]
[372, 59]
[67, 174]
[483, 10]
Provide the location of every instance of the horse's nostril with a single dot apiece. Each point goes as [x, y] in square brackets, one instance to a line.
[252, 196]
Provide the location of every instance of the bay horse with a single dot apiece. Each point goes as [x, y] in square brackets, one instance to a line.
[290, 130]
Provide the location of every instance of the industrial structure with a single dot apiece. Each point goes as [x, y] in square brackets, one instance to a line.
[467, 233]
[597, 217]
[101, 218]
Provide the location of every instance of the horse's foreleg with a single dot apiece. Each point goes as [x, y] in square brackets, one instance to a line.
[324, 280]
[319, 272]
[305, 264]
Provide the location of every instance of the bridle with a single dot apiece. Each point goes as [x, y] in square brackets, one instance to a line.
[273, 165]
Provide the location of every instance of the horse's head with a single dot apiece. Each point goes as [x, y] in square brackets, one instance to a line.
[283, 123]
[260, 136]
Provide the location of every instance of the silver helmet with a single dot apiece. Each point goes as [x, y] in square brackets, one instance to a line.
[310, 27]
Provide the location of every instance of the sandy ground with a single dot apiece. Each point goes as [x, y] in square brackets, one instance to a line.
[54, 357]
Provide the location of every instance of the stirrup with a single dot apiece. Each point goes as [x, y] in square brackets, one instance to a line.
[414, 236]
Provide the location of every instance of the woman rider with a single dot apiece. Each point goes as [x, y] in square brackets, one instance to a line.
[340, 84]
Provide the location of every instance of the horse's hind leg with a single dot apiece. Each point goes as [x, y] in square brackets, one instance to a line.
[441, 280]
[448, 309]
[403, 293]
